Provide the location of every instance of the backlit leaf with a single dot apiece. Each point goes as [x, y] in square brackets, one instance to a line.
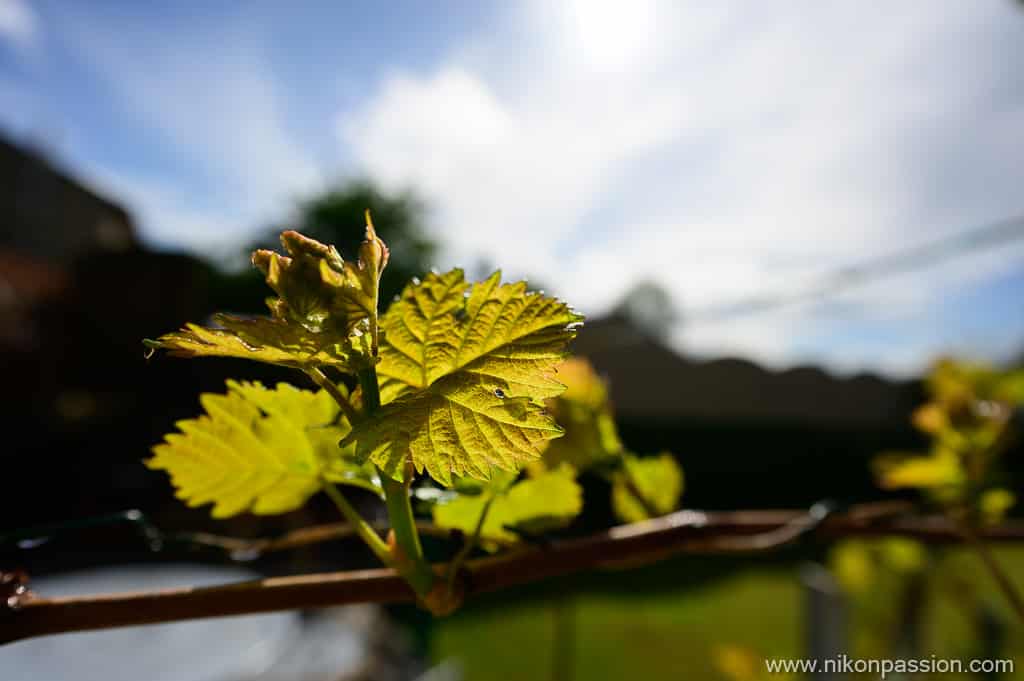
[477, 362]
[536, 504]
[257, 449]
[646, 487]
[259, 339]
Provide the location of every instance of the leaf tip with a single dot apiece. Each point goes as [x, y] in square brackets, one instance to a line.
[261, 259]
[374, 252]
[371, 233]
[151, 346]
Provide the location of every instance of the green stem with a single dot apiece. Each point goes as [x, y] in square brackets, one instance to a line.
[374, 336]
[362, 528]
[371, 389]
[413, 565]
[320, 378]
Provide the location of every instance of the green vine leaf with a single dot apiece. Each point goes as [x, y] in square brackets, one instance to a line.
[544, 502]
[646, 487]
[969, 417]
[259, 339]
[258, 449]
[466, 369]
[321, 301]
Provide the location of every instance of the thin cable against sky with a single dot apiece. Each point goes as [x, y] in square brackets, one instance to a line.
[918, 257]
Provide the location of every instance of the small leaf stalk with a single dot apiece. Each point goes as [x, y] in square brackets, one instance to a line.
[326, 384]
[407, 552]
[359, 524]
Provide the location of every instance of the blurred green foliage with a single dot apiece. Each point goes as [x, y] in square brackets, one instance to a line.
[642, 486]
[970, 418]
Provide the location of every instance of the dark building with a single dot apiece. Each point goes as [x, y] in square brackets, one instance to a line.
[48, 220]
[746, 435]
[50, 216]
[77, 295]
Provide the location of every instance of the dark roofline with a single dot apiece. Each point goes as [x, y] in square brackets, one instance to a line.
[37, 155]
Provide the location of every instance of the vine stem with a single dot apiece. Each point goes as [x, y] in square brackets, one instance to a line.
[688, 531]
[409, 561]
[320, 378]
[1002, 579]
[407, 556]
[361, 527]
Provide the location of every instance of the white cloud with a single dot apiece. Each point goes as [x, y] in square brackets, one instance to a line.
[725, 152]
[210, 102]
[18, 23]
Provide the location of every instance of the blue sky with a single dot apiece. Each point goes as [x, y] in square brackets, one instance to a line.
[722, 149]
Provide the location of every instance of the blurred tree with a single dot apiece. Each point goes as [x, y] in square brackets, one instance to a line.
[336, 217]
[649, 307]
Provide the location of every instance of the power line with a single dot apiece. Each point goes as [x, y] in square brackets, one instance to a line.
[917, 257]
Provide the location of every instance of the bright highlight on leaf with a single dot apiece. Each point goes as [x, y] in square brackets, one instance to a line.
[476, 362]
[532, 505]
[646, 487]
[257, 449]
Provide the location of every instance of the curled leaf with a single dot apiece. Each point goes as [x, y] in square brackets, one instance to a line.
[321, 300]
[317, 289]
